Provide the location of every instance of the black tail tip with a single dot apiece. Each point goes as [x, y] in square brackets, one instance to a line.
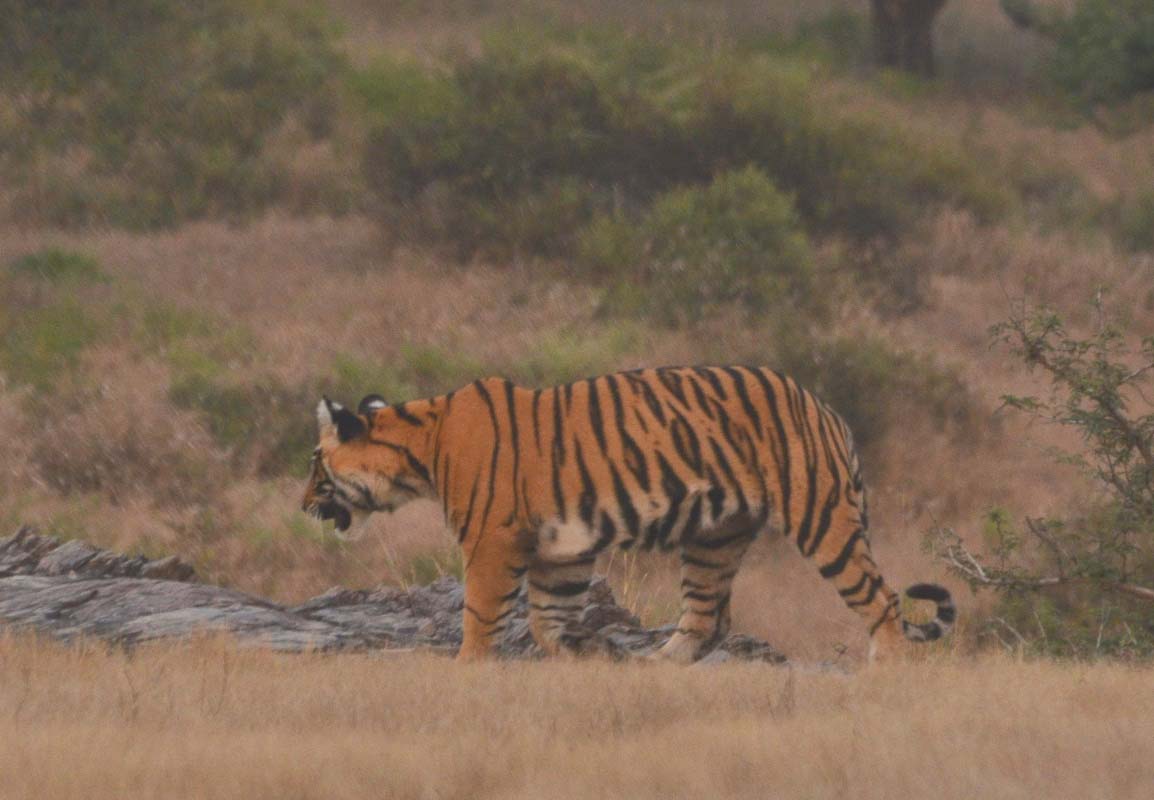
[929, 591]
[946, 612]
[923, 631]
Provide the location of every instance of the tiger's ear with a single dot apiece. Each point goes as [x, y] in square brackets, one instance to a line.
[371, 404]
[325, 415]
[348, 425]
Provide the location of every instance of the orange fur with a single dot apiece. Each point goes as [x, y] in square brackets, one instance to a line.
[536, 483]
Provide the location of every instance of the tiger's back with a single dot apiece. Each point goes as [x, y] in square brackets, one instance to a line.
[536, 483]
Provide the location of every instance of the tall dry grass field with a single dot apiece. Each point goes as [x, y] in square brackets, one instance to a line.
[208, 720]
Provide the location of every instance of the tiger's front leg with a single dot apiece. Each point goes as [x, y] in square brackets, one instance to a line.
[556, 599]
[494, 567]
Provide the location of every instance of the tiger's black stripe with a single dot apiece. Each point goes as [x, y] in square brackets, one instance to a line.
[783, 468]
[672, 383]
[587, 500]
[596, 421]
[746, 403]
[405, 416]
[648, 396]
[710, 375]
[496, 451]
[705, 459]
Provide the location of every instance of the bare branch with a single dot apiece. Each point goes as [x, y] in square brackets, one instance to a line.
[958, 556]
[1021, 639]
[1038, 528]
[1138, 373]
[1134, 591]
[1097, 384]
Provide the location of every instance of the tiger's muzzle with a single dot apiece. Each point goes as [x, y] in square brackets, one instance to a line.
[342, 518]
[321, 500]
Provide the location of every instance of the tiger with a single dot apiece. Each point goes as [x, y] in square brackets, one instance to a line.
[536, 483]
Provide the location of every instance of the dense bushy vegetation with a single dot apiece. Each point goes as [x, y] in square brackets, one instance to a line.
[736, 241]
[148, 112]
[1104, 49]
[516, 150]
[873, 385]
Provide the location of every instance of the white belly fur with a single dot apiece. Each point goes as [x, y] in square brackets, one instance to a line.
[561, 541]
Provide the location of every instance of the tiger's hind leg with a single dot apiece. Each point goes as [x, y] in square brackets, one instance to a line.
[708, 566]
[556, 599]
[843, 557]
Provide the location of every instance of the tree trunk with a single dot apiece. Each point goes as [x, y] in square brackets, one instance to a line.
[903, 34]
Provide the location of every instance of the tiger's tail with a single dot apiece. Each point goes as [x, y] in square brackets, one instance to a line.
[941, 624]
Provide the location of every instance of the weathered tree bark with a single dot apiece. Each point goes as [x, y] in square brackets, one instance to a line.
[903, 34]
[72, 589]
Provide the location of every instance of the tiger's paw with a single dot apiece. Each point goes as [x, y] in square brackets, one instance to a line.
[682, 648]
[588, 644]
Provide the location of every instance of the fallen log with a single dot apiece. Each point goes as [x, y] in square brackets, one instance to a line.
[73, 589]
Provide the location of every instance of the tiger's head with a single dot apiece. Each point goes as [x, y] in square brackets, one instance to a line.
[355, 473]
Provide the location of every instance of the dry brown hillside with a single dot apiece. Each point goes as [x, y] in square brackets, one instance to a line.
[157, 391]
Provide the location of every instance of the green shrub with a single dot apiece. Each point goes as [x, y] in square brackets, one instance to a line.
[735, 241]
[516, 150]
[170, 105]
[609, 246]
[52, 311]
[850, 172]
[508, 153]
[873, 386]
[1136, 222]
[352, 378]
[426, 371]
[1053, 193]
[387, 87]
[260, 421]
[841, 37]
[119, 449]
[1079, 585]
[192, 342]
[1067, 620]
[40, 346]
[1105, 49]
[58, 303]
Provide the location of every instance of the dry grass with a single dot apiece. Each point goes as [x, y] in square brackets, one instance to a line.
[308, 290]
[207, 720]
[127, 469]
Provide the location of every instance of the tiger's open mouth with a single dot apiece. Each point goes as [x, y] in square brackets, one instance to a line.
[343, 505]
[342, 518]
